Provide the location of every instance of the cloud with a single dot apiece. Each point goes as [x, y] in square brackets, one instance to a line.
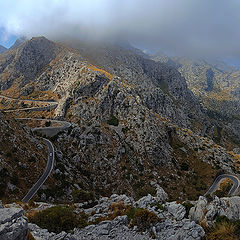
[182, 27]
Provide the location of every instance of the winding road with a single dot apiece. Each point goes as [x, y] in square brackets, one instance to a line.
[50, 131]
[217, 181]
[47, 171]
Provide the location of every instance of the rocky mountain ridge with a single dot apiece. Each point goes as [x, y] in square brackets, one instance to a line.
[135, 126]
[128, 128]
[2, 49]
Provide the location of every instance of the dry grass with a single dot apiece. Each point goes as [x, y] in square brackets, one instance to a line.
[223, 231]
[94, 68]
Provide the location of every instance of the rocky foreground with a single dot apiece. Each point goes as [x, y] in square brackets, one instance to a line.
[175, 221]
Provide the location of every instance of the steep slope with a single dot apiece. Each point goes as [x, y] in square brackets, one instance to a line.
[22, 65]
[216, 85]
[160, 86]
[2, 49]
[18, 42]
[22, 158]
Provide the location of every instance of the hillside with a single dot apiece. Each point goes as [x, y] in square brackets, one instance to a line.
[134, 121]
[20, 154]
[216, 85]
[2, 49]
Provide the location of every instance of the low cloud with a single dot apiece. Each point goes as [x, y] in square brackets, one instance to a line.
[181, 27]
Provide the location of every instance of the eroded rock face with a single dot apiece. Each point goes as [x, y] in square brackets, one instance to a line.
[205, 211]
[13, 224]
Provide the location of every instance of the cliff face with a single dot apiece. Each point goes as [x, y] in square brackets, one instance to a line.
[160, 86]
[23, 63]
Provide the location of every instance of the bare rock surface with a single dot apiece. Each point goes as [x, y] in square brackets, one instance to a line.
[13, 224]
[205, 211]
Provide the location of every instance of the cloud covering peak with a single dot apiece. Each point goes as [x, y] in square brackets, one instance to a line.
[181, 27]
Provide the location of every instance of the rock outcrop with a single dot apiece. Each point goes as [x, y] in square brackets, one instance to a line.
[13, 224]
[172, 223]
[207, 212]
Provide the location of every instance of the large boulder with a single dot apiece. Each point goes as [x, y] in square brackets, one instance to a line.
[13, 224]
[176, 210]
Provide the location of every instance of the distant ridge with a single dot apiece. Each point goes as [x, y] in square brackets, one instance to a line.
[2, 49]
[18, 42]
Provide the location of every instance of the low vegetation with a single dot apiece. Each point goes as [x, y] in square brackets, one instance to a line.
[59, 218]
[224, 188]
[224, 229]
[113, 121]
[82, 196]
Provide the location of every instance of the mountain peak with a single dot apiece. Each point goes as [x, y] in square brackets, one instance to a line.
[18, 42]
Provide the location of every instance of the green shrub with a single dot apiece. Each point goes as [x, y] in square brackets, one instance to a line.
[187, 206]
[82, 196]
[14, 179]
[184, 166]
[113, 121]
[48, 123]
[125, 130]
[59, 218]
[221, 219]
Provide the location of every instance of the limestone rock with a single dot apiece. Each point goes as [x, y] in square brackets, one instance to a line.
[13, 224]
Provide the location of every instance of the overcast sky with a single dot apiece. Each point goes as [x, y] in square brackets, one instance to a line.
[181, 27]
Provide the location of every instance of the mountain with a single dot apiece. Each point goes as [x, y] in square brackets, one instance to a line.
[18, 42]
[2, 49]
[129, 118]
[216, 85]
[135, 127]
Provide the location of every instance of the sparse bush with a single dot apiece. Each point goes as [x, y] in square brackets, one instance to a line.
[209, 197]
[184, 166]
[223, 231]
[48, 123]
[8, 154]
[144, 219]
[125, 130]
[113, 121]
[82, 196]
[187, 206]
[58, 218]
[14, 179]
[221, 219]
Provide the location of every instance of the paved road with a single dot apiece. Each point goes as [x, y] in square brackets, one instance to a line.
[51, 155]
[49, 131]
[216, 183]
[47, 171]
[63, 124]
[51, 104]
[28, 100]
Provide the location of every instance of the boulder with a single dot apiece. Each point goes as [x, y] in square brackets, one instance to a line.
[13, 224]
[177, 211]
[161, 195]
